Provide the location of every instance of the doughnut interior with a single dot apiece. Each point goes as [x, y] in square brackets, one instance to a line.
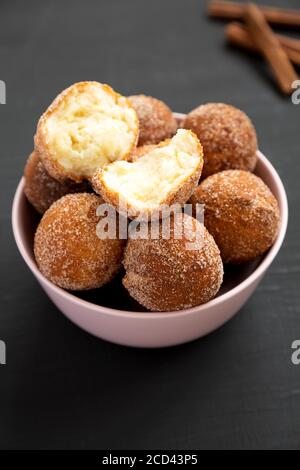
[155, 177]
[90, 127]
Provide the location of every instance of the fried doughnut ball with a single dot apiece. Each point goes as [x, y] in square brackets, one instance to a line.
[168, 174]
[176, 273]
[42, 190]
[67, 249]
[227, 135]
[156, 121]
[240, 212]
[87, 126]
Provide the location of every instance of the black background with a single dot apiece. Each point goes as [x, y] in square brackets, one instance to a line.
[64, 389]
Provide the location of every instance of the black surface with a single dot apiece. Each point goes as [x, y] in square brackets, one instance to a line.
[62, 388]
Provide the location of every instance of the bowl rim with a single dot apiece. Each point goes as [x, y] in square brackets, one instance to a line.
[254, 276]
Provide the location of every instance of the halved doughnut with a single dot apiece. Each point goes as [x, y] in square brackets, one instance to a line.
[166, 175]
[86, 127]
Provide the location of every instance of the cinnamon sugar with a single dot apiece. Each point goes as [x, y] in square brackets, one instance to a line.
[67, 249]
[41, 189]
[240, 212]
[227, 136]
[164, 275]
[156, 121]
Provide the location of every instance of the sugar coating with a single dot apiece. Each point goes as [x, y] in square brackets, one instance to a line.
[67, 249]
[162, 274]
[227, 135]
[240, 212]
[41, 189]
[156, 121]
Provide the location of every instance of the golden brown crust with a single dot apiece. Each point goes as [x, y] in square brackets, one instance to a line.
[67, 249]
[179, 195]
[227, 135]
[156, 120]
[163, 275]
[41, 139]
[240, 212]
[42, 190]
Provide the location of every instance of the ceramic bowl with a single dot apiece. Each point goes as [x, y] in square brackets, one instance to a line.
[109, 313]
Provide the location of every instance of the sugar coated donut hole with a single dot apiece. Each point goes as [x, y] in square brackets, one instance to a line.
[67, 248]
[227, 135]
[240, 212]
[176, 273]
[41, 189]
[156, 121]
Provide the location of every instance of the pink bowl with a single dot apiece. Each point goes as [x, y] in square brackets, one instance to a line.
[145, 329]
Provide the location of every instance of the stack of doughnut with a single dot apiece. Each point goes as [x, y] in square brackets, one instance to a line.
[94, 146]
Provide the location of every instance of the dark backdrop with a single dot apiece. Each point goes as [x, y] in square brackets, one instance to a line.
[62, 388]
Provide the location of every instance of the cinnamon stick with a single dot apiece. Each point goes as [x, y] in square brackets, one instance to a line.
[235, 11]
[238, 34]
[270, 47]
[291, 43]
